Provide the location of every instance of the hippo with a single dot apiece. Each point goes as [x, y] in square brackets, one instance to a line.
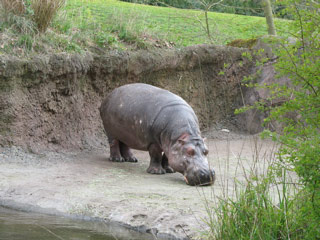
[143, 117]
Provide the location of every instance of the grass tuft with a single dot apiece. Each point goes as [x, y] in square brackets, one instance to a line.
[45, 11]
[264, 201]
[16, 7]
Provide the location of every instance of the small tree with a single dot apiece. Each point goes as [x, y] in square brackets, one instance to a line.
[269, 16]
[207, 6]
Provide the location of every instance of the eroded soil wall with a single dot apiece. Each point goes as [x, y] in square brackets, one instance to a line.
[51, 102]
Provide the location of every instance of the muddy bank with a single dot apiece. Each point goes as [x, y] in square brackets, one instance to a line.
[51, 102]
[86, 184]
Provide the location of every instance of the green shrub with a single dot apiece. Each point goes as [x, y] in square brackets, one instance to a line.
[299, 113]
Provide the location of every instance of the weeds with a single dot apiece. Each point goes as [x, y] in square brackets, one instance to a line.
[45, 11]
[16, 7]
[253, 214]
[263, 201]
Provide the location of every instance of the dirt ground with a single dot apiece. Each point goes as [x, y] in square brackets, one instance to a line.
[87, 185]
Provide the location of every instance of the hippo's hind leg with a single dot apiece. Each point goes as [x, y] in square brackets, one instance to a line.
[115, 154]
[165, 164]
[155, 153]
[126, 153]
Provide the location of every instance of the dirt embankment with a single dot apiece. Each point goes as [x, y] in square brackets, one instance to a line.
[51, 102]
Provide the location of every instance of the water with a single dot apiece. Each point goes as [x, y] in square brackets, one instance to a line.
[16, 225]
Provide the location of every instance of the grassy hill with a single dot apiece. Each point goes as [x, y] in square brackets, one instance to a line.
[111, 24]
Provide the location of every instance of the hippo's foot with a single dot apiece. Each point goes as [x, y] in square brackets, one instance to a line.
[169, 170]
[130, 159]
[116, 159]
[156, 170]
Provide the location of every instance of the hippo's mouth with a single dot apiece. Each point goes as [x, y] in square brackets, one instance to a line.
[204, 180]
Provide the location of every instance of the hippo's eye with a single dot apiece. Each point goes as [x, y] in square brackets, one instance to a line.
[190, 151]
[205, 152]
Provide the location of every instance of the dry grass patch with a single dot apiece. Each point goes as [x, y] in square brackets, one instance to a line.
[13, 6]
[45, 11]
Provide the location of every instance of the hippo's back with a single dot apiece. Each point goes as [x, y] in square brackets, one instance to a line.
[129, 112]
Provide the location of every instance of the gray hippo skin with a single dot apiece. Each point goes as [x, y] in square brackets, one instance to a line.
[144, 117]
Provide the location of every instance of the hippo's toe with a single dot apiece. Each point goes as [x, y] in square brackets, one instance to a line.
[169, 170]
[131, 159]
[116, 159]
[156, 170]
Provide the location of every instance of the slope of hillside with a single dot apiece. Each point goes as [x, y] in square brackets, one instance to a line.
[104, 25]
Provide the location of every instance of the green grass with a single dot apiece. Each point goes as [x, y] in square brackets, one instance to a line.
[110, 24]
[182, 27]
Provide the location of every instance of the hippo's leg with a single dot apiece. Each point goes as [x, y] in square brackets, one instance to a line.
[115, 154]
[155, 153]
[126, 153]
[165, 164]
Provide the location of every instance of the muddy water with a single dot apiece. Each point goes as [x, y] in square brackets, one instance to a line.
[16, 225]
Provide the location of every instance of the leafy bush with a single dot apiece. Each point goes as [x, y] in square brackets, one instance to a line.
[300, 61]
[299, 113]
[44, 12]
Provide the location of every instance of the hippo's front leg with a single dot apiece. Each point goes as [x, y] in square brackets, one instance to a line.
[155, 153]
[126, 153]
[165, 164]
[115, 155]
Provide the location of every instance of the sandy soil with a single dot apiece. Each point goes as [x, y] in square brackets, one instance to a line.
[86, 184]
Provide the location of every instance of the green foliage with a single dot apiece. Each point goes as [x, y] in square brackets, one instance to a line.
[252, 215]
[242, 7]
[165, 3]
[298, 112]
[255, 214]
[251, 7]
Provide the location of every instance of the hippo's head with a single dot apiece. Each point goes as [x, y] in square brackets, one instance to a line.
[188, 156]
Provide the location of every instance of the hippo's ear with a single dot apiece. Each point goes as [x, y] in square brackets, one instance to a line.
[183, 138]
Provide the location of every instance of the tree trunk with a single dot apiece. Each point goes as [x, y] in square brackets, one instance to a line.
[268, 14]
